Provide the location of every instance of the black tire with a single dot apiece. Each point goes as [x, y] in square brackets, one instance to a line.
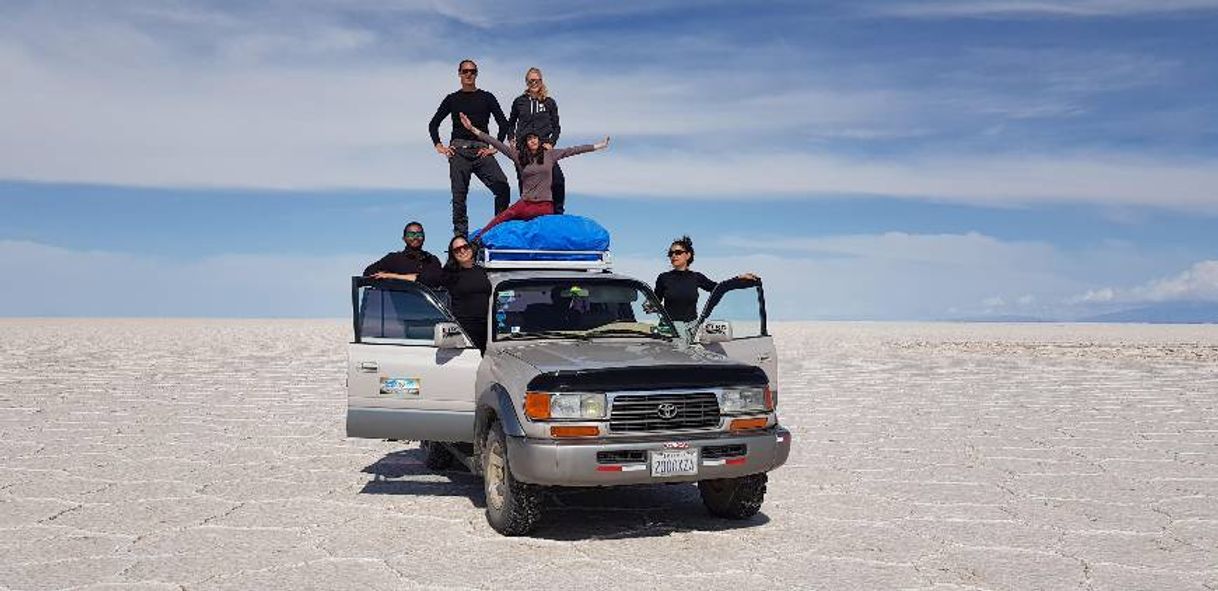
[734, 498]
[436, 456]
[512, 508]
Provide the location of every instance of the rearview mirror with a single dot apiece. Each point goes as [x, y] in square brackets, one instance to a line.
[715, 331]
[448, 335]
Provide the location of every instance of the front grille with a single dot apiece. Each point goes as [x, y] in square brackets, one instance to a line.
[625, 456]
[642, 412]
[734, 450]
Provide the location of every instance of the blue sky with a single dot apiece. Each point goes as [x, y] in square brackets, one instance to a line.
[872, 160]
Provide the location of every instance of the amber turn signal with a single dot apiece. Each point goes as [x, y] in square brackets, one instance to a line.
[748, 424]
[537, 405]
[769, 398]
[574, 431]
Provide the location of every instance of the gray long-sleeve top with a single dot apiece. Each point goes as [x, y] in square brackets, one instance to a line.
[535, 179]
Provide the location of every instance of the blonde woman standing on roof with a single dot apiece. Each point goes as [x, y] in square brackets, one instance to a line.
[536, 112]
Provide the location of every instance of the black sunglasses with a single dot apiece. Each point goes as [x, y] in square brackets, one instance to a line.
[461, 247]
[676, 252]
[473, 71]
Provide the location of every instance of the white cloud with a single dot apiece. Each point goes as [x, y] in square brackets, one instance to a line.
[894, 276]
[1059, 8]
[289, 95]
[1197, 283]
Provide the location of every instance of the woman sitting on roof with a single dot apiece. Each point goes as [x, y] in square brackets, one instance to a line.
[536, 166]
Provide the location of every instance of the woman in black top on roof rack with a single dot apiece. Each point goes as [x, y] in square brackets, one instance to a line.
[468, 286]
[678, 288]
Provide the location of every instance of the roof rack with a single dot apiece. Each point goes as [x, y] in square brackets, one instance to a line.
[582, 260]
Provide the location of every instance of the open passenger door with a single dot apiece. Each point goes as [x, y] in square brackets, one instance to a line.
[733, 323]
[401, 383]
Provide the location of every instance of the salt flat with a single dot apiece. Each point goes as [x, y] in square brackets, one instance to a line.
[204, 454]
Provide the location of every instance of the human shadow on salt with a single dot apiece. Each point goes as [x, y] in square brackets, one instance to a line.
[403, 473]
[636, 511]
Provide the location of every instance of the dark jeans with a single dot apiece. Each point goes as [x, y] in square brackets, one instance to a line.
[558, 187]
[465, 163]
[476, 329]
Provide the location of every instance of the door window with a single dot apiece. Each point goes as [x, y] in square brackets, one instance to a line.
[740, 302]
[397, 314]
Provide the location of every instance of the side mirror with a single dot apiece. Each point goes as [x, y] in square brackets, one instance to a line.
[448, 335]
[715, 331]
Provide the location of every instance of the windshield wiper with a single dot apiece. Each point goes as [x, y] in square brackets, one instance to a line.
[620, 332]
[542, 334]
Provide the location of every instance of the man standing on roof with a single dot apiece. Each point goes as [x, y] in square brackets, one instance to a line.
[465, 152]
[536, 112]
[408, 261]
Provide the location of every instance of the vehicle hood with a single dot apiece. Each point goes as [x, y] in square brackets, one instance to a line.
[551, 356]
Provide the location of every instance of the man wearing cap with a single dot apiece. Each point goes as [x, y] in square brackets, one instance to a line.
[410, 260]
[465, 152]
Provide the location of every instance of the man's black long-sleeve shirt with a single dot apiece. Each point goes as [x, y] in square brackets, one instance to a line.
[478, 105]
[404, 262]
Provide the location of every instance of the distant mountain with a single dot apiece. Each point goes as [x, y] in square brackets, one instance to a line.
[1166, 313]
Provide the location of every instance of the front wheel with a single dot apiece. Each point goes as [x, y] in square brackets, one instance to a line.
[734, 498]
[512, 508]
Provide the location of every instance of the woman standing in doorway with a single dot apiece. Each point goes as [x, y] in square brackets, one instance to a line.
[467, 285]
[678, 288]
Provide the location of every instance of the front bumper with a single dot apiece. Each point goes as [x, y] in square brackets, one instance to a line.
[575, 463]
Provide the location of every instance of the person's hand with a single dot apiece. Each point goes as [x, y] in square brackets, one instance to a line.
[488, 151]
[601, 145]
[749, 276]
[548, 146]
[466, 122]
[444, 151]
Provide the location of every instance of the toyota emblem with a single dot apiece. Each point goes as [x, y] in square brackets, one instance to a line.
[667, 410]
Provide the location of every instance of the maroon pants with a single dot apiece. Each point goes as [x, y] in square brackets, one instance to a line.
[520, 210]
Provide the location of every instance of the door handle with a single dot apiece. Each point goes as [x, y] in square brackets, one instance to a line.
[763, 357]
[368, 366]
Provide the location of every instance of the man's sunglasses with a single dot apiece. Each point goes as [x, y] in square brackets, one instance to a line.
[675, 252]
[473, 71]
[412, 235]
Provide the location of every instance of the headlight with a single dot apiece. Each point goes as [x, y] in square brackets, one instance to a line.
[742, 400]
[577, 405]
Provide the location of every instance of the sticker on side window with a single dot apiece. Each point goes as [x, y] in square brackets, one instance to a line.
[400, 387]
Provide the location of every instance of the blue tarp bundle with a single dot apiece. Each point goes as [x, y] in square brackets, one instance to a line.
[548, 232]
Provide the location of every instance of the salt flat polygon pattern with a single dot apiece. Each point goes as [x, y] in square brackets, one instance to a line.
[209, 454]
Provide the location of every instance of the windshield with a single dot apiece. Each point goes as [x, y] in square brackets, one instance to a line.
[558, 309]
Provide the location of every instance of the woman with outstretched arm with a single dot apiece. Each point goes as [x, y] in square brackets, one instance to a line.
[536, 164]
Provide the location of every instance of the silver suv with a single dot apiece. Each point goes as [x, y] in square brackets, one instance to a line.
[585, 382]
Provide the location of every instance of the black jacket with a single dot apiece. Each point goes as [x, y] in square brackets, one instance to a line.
[530, 115]
[405, 262]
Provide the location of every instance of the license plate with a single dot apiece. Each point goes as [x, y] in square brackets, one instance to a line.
[674, 463]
